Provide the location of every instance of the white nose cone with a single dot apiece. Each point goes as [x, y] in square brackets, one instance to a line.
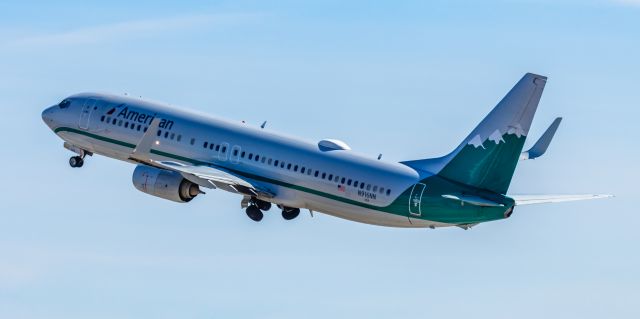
[47, 116]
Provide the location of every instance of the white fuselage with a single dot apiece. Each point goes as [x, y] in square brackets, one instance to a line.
[332, 180]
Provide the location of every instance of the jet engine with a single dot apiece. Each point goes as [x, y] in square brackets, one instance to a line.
[164, 184]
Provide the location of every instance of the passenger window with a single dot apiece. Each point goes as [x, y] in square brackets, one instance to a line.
[375, 189]
[211, 146]
[368, 187]
[381, 190]
[388, 192]
[302, 170]
[270, 161]
[120, 123]
[235, 152]
[193, 141]
[257, 157]
[139, 127]
[316, 174]
[173, 135]
[159, 132]
[289, 166]
[336, 179]
[242, 154]
[342, 181]
[179, 138]
[224, 149]
[145, 129]
[281, 164]
[264, 159]
[276, 163]
[250, 155]
[330, 177]
[217, 148]
[126, 124]
[295, 168]
[166, 134]
[324, 175]
[355, 183]
[349, 182]
[361, 185]
[102, 118]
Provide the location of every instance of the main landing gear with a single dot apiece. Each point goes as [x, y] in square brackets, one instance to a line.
[289, 213]
[256, 207]
[254, 213]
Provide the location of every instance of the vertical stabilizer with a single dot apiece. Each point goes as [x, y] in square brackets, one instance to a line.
[487, 158]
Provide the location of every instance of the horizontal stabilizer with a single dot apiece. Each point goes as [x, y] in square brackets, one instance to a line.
[540, 199]
[540, 147]
[472, 200]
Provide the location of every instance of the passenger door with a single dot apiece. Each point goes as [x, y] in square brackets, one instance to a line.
[85, 113]
[415, 200]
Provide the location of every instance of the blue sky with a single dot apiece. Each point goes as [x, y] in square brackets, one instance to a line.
[408, 79]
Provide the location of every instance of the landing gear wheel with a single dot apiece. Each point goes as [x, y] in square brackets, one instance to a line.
[76, 161]
[254, 213]
[290, 213]
[263, 206]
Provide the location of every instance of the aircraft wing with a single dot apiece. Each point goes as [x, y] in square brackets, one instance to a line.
[211, 177]
[206, 176]
[540, 199]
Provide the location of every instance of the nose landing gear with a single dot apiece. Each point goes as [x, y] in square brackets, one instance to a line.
[76, 161]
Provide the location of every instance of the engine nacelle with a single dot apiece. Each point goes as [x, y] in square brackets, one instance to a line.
[164, 184]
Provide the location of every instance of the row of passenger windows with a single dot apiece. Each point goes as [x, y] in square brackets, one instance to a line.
[126, 124]
[138, 127]
[215, 147]
[341, 181]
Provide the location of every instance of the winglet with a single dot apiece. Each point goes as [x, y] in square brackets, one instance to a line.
[540, 147]
[142, 150]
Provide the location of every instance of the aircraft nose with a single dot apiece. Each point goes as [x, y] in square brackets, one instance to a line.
[47, 115]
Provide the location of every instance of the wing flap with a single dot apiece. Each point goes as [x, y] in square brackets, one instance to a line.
[541, 199]
[215, 178]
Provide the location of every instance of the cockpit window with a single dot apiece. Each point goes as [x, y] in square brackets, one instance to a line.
[64, 104]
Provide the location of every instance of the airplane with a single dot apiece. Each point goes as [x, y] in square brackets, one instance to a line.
[178, 153]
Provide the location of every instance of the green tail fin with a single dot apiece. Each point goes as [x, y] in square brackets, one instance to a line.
[487, 158]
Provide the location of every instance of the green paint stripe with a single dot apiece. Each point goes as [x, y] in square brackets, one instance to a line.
[97, 137]
[241, 173]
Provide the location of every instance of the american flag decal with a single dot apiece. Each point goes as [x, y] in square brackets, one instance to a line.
[341, 188]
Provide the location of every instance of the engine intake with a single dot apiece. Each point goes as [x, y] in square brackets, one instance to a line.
[164, 184]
